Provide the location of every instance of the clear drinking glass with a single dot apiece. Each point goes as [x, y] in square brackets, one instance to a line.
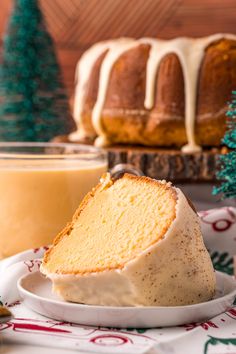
[41, 185]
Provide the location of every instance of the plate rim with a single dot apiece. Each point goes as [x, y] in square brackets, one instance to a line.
[26, 294]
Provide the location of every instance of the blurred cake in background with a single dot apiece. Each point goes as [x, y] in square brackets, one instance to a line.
[169, 93]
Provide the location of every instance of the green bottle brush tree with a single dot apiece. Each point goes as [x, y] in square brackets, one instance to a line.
[33, 103]
[227, 173]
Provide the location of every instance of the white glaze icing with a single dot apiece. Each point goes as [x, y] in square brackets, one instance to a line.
[190, 53]
[116, 49]
[176, 270]
[82, 75]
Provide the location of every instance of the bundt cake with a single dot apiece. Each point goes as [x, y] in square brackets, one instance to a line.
[134, 241]
[155, 92]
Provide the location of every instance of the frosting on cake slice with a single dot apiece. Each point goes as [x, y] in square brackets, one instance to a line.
[132, 242]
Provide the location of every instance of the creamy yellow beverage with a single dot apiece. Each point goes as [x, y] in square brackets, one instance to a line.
[39, 196]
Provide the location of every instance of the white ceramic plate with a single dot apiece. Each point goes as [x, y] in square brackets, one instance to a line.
[36, 291]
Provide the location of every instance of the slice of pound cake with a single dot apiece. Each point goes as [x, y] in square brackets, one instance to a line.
[132, 242]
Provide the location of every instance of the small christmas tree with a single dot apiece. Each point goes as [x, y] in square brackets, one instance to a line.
[227, 174]
[33, 103]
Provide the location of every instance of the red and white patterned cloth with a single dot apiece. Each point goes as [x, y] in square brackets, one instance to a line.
[215, 336]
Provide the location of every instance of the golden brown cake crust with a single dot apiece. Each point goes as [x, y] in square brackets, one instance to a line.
[68, 228]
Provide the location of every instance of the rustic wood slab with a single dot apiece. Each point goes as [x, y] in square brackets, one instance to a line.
[169, 164]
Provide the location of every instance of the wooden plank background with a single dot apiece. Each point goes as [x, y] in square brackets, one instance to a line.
[76, 24]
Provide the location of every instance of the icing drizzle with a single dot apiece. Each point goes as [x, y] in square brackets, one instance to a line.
[190, 53]
[82, 75]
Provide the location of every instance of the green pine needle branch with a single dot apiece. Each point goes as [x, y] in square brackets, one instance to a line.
[227, 162]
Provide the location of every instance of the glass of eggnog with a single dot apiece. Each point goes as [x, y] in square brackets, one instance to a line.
[41, 185]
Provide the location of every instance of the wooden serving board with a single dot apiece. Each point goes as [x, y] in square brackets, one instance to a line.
[169, 164]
